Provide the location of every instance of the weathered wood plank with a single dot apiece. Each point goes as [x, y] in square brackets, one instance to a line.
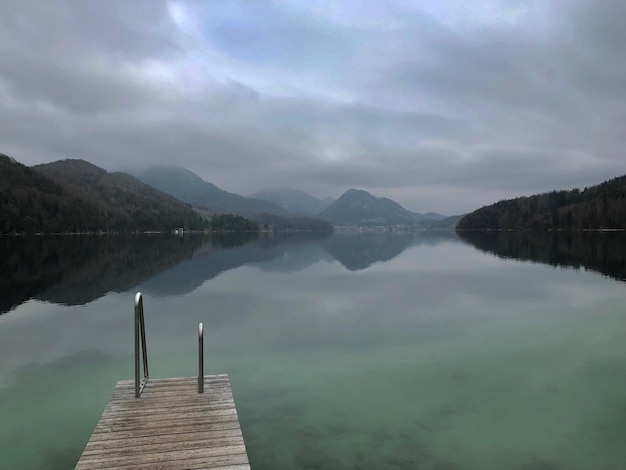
[100, 443]
[167, 397]
[207, 428]
[207, 378]
[173, 417]
[191, 442]
[170, 426]
[221, 463]
[176, 392]
[217, 462]
[159, 456]
[175, 382]
[178, 408]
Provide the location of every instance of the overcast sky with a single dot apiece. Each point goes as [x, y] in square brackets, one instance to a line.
[441, 105]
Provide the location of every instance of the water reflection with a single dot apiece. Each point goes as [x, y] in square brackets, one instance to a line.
[214, 259]
[442, 358]
[291, 253]
[75, 270]
[603, 252]
[359, 251]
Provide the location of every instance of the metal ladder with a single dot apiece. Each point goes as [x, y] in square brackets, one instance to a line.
[140, 343]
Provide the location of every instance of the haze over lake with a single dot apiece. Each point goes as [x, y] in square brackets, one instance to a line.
[379, 351]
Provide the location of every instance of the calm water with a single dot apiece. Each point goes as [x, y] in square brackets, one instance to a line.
[359, 352]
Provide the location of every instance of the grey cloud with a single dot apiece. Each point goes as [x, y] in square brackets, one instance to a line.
[72, 87]
[75, 28]
[525, 172]
[412, 109]
[262, 32]
[71, 54]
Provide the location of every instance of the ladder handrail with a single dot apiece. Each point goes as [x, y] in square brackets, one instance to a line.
[201, 358]
[140, 334]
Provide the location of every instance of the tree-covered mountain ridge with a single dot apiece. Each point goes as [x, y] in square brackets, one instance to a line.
[598, 207]
[354, 207]
[357, 207]
[75, 196]
[72, 196]
[123, 202]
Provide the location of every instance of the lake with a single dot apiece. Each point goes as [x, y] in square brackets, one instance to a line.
[358, 351]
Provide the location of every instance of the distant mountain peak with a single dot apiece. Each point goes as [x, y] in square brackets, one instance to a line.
[69, 164]
[358, 207]
[293, 200]
[357, 192]
[187, 186]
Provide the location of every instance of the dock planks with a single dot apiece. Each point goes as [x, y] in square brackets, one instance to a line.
[171, 426]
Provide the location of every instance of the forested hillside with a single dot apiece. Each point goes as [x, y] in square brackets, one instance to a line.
[293, 224]
[31, 202]
[597, 207]
[125, 203]
[232, 223]
[190, 188]
[76, 196]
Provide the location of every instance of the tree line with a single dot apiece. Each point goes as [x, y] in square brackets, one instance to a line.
[597, 207]
[73, 196]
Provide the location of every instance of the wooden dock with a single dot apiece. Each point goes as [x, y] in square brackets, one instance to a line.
[171, 426]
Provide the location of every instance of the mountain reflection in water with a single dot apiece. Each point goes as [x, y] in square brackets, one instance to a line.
[75, 270]
[603, 252]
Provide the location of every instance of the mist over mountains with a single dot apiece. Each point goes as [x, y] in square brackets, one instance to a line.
[77, 196]
[189, 187]
[293, 200]
[355, 207]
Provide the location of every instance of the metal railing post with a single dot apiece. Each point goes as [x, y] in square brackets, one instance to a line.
[200, 358]
[140, 336]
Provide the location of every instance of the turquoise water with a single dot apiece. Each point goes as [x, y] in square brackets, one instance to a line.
[379, 352]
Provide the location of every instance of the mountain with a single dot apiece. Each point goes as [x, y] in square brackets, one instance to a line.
[358, 207]
[118, 201]
[190, 188]
[293, 224]
[447, 223]
[597, 207]
[31, 202]
[293, 200]
[430, 216]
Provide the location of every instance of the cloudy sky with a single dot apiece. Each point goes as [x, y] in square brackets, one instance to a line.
[444, 106]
